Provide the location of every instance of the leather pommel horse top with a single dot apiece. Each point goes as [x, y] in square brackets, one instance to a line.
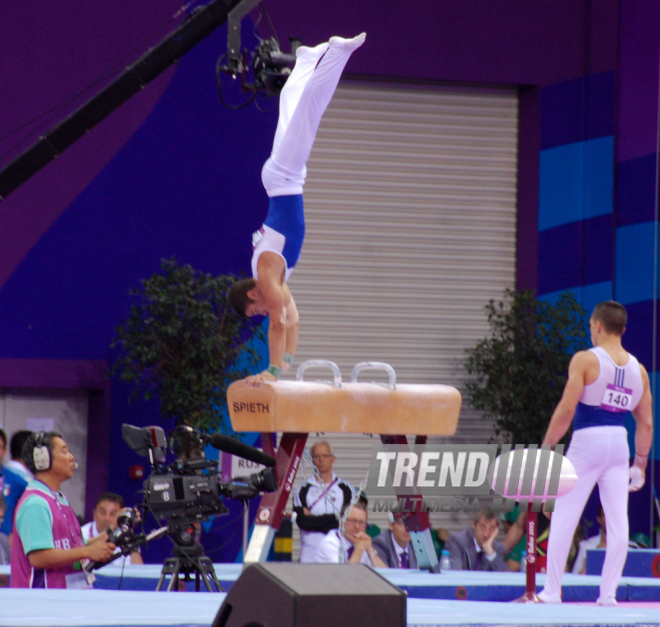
[309, 407]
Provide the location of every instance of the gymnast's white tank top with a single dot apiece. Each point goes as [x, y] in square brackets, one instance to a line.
[616, 391]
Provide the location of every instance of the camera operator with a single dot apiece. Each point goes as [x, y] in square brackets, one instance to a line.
[108, 507]
[48, 545]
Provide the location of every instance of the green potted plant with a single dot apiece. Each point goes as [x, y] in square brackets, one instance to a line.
[516, 374]
[182, 343]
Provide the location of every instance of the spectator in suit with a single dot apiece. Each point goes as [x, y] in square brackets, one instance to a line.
[476, 548]
[393, 545]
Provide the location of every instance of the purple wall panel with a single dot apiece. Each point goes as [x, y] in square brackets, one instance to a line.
[638, 79]
[51, 54]
[508, 41]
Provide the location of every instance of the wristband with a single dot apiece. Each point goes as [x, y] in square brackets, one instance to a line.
[275, 371]
[288, 358]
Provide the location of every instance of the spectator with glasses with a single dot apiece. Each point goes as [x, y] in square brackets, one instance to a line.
[318, 502]
[354, 546]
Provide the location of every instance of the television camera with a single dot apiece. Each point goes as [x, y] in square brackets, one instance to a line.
[186, 491]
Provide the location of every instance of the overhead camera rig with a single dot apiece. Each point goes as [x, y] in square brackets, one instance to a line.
[270, 66]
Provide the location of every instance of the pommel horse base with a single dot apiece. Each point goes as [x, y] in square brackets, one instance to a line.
[300, 407]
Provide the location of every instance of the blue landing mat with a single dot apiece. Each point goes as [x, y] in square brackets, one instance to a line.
[482, 586]
[455, 585]
[101, 608]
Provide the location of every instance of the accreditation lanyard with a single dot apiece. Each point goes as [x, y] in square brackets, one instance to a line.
[322, 495]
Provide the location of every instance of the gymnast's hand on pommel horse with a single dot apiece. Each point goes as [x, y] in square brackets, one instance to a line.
[277, 244]
[300, 407]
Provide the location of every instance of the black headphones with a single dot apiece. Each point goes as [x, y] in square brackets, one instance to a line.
[41, 453]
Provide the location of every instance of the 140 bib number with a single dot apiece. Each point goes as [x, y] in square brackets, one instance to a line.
[616, 399]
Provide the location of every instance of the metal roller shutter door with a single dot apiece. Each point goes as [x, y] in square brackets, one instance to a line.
[410, 206]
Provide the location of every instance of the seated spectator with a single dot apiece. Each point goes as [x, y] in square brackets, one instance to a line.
[514, 556]
[12, 486]
[4, 539]
[639, 540]
[48, 547]
[16, 452]
[105, 513]
[355, 547]
[598, 541]
[439, 537]
[515, 540]
[476, 548]
[393, 545]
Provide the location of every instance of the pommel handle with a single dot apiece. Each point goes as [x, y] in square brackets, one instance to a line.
[375, 365]
[320, 363]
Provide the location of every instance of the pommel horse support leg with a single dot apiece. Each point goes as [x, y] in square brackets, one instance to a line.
[300, 407]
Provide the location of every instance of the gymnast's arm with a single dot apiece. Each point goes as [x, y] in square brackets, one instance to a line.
[270, 272]
[643, 415]
[291, 323]
[562, 417]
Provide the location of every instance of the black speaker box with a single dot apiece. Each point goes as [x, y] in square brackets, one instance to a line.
[278, 594]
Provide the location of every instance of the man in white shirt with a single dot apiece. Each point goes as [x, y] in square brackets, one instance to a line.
[105, 514]
[318, 502]
[355, 546]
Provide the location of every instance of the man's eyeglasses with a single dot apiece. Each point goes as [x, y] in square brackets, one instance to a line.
[357, 523]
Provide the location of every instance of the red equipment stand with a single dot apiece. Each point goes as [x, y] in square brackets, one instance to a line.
[273, 505]
[530, 595]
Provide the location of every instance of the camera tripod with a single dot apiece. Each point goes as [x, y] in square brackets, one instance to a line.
[186, 560]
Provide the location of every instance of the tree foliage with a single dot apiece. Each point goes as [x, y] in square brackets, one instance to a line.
[516, 375]
[181, 342]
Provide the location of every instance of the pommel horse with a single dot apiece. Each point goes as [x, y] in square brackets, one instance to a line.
[300, 407]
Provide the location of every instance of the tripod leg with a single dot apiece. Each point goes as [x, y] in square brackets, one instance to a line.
[216, 581]
[208, 574]
[169, 566]
[161, 579]
[175, 578]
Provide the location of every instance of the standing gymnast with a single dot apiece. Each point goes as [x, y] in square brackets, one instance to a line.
[606, 384]
[277, 244]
